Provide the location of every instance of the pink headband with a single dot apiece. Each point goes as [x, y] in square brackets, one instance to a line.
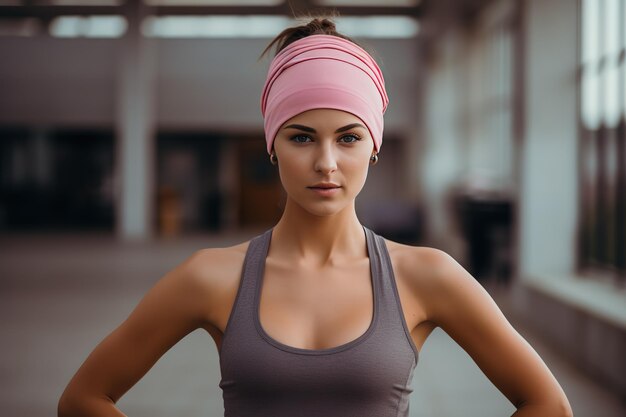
[333, 73]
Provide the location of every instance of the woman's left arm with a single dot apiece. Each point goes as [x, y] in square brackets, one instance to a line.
[458, 304]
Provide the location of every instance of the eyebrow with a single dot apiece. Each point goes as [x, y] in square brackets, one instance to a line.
[311, 130]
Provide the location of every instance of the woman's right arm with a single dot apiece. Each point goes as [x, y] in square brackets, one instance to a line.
[175, 306]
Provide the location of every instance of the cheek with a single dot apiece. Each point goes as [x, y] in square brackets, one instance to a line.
[357, 163]
[361, 176]
[291, 170]
[354, 171]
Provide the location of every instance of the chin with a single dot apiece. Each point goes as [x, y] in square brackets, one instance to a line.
[324, 208]
[323, 213]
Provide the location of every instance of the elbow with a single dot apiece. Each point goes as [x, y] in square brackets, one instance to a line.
[565, 409]
[70, 405]
[560, 408]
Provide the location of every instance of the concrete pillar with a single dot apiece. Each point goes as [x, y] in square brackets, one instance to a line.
[549, 196]
[135, 150]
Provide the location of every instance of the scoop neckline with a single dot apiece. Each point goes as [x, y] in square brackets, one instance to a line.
[335, 349]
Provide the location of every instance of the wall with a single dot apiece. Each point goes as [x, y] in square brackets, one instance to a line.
[201, 83]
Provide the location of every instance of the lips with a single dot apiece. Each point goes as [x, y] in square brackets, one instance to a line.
[324, 186]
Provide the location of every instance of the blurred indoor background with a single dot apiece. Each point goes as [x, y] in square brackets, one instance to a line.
[131, 136]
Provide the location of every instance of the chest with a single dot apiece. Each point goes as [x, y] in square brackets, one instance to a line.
[320, 309]
[316, 308]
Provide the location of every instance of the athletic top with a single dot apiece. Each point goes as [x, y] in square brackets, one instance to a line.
[369, 376]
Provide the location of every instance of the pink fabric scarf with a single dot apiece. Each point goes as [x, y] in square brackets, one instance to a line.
[324, 71]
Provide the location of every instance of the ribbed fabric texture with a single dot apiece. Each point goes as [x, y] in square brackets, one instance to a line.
[367, 377]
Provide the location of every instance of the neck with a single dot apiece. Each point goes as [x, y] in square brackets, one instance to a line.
[318, 240]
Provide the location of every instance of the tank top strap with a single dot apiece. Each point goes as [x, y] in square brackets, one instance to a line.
[391, 312]
[240, 323]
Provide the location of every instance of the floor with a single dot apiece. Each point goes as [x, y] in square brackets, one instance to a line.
[61, 294]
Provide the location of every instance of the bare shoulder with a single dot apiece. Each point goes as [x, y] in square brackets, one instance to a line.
[215, 273]
[210, 264]
[420, 265]
[442, 285]
[429, 274]
[408, 252]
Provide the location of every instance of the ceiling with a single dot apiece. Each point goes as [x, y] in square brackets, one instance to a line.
[47, 9]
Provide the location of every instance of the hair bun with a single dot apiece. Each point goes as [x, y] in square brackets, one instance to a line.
[328, 24]
[321, 25]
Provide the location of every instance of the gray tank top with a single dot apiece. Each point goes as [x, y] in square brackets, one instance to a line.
[369, 376]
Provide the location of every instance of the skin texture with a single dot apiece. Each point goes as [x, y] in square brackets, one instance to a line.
[317, 258]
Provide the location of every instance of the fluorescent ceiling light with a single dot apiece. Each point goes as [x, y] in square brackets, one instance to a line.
[377, 26]
[215, 26]
[213, 2]
[371, 3]
[89, 26]
[255, 26]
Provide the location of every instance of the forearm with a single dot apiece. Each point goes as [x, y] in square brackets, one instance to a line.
[88, 407]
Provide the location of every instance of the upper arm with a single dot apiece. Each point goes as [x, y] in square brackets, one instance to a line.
[464, 310]
[172, 308]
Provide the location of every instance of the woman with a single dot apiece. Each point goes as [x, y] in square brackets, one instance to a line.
[318, 316]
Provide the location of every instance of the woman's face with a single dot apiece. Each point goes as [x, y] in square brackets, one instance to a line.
[323, 146]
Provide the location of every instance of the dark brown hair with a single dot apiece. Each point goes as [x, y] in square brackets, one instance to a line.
[321, 25]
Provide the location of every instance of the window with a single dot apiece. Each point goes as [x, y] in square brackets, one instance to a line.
[602, 139]
[56, 179]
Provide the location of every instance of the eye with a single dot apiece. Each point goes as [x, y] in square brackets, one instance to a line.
[297, 138]
[353, 136]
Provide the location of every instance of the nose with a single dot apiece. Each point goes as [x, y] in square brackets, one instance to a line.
[325, 159]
